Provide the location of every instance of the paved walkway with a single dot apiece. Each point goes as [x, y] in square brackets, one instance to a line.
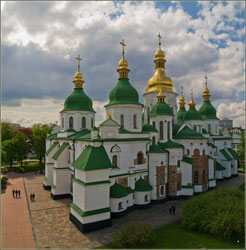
[16, 231]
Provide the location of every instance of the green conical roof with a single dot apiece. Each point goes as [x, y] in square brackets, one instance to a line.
[207, 111]
[181, 114]
[142, 185]
[78, 100]
[123, 93]
[117, 191]
[149, 128]
[161, 108]
[192, 114]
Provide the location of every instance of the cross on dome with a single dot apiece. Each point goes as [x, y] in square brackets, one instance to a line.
[159, 36]
[79, 59]
[182, 90]
[206, 81]
[123, 45]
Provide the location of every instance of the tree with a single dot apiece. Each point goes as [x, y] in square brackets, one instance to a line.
[9, 151]
[20, 142]
[6, 131]
[39, 135]
[241, 151]
[29, 134]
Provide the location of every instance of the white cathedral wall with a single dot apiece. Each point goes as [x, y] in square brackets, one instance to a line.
[186, 170]
[198, 124]
[114, 204]
[140, 198]
[210, 168]
[214, 125]
[48, 181]
[61, 179]
[79, 195]
[128, 111]
[175, 154]
[92, 175]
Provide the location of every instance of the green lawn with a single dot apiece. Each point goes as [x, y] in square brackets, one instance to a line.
[242, 187]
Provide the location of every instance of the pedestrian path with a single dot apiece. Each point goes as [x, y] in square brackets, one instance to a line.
[16, 231]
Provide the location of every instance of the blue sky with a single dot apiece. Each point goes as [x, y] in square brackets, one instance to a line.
[41, 39]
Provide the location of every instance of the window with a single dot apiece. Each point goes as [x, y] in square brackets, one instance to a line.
[196, 177]
[203, 152]
[70, 122]
[119, 205]
[146, 198]
[196, 152]
[195, 127]
[188, 152]
[216, 129]
[168, 130]
[122, 121]
[114, 160]
[140, 158]
[153, 123]
[161, 130]
[83, 122]
[135, 121]
[62, 122]
[162, 190]
[178, 163]
[148, 111]
[153, 140]
[92, 122]
[203, 176]
[209, 128]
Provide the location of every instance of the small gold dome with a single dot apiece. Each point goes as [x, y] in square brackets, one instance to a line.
[123, 63]
[181, 99]
[78, 76]
[159, 54]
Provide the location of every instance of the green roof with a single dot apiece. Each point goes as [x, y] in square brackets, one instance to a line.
[93, 158]
[204, 131]
[60, 150]
[181, 114]
[54, 136]
[161, 108]
[79, 134]
[188, 133]
[124, 131]
[142, 185]
[212, 145]
[207, 111]
[192, 115]
[51, 148]
[170, 144]
[129, 190]
[149, 128]
[123, 93]
[225, 154]
[94, 129]
[233, 153]
[117, 191]
[70, 130]
[219, 167]
[176, 128]
[187, 159]
[78, 100]
[155, 149]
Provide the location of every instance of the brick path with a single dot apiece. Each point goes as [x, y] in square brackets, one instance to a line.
[16, 231]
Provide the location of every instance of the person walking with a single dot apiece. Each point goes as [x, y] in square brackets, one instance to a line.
[31, 197]
[19, 193]
[13, 192]
[170, 209]
[174, 208]
[16, 193]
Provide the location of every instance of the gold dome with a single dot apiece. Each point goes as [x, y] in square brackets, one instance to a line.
[78, 76]
[123, 63]
[159, 54]
[192, 104]
[181, 99]
[206, 92]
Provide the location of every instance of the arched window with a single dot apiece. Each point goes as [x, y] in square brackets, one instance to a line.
[122, 121]
[62, 122]
[195, 127]
[162, 190]
[114, 160]
[119, 205]
[196, 177]
[216, 129]
[153, 123]
[203, 176]
[146, 198]
[135, 121]
[153, 140]
[140, 158]
[203, 152]
[188, 152]
[168, 130]
[70, 122]
[209, 128]
[196, 152]
[83, 122]
[148, 111]
[161, 130]
[92, 122]
[178, 163]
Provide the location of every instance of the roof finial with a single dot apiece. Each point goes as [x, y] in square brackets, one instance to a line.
[182, 90]
[123, 45]
[159, 36]
[206, 81]
[79, 59]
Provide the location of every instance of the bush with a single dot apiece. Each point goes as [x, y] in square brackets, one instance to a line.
[4, 179]
[134, 235]
[219, 212]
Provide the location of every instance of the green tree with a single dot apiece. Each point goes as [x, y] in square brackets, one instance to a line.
[21, 144]
[6, 131]
[241, 151]
[9, 151]
[40, 132]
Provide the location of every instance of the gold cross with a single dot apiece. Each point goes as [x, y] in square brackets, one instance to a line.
[123, 45]
[182, 90]
[159, 36]
[206, 81]
[79, 59]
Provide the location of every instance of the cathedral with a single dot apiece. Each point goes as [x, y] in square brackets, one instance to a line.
[142, 154]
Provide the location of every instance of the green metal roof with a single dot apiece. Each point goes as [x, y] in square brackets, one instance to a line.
[60, 150]
[188, 133]
[70, 130]
[149, 128]
[117, 191]
[94, 129]
[181, 114]
[129, 190]
[78, 100]
[225, 154]
[212, 145]
[161, 108]
[207, 111]
[170, 144]
[51, 148]
[192, 115]
[93, 158]
[233, 153]
[219, 167]
[79, 134]
[187, 159]
[142, 185]
[176, 128]
[123, 93]
[155, 149]
[204, 131]
[124, 131]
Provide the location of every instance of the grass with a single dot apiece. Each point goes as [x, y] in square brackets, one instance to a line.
[242, 187]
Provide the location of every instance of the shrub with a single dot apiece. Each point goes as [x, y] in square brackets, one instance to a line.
[134, 235]
[219, 212]
[4, 179]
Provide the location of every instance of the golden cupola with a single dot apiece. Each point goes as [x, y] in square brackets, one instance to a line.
[160, 79]
[78, 76]
[192, 104]
[206, 92]
[123, 64]
[181, 99]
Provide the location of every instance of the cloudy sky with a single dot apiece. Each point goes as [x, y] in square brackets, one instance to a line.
[40, 41]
